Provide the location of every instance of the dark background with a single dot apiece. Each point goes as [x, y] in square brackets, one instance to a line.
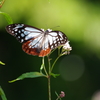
[79, 72]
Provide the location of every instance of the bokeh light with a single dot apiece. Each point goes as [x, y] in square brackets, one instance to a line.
[71, 67]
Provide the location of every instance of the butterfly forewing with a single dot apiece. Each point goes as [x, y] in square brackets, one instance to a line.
[56, 38]
[23, 32]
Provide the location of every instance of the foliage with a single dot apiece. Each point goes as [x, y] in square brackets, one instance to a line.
[2, 94]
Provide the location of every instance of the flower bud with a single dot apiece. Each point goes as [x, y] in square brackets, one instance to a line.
[62, 94]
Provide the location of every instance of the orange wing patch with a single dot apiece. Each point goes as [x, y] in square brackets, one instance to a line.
[44, 52]
[34, 51]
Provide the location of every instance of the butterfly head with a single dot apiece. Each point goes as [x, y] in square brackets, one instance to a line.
[46, 31]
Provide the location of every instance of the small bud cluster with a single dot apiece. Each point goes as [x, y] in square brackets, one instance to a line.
[62, 94]
[66, 48]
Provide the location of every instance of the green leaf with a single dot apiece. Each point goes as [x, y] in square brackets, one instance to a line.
[28, 75]
[2, 63]
[54, 75]
[2, 94]
[7, 17]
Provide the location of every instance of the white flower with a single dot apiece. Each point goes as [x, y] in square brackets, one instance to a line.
[67, 48]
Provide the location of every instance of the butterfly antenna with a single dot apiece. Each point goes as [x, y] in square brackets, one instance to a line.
[55, 27]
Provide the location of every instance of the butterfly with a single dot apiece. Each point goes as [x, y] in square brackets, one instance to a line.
[36, 41]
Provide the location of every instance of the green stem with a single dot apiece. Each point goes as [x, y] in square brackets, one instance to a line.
[59, 50]
[55, 62]
[7, 17]
[49, 72]
[57, 98]
[43, 67]
[45, 71]
[49, 88]
[49, 65]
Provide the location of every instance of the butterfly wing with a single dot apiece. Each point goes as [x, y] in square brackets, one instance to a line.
[23, 32]
[52, 40]
[36, 41]
[36, 46]
[31, 37]
[56, 38]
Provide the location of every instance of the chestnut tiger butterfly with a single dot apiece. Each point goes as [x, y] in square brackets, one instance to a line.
[36, 41]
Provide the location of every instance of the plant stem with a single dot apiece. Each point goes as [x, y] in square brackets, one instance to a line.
[43, 67]
[55, 62]
[49, 88]
[49, 76]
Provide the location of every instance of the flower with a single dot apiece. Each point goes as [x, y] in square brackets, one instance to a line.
[66, 48]
[62, 94]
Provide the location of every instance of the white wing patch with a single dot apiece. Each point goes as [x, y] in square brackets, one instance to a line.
[32, 35]
[53, 34]
[18, 26]
[31, 29]
[35, 43]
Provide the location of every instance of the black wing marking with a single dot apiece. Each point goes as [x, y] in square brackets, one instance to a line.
[23, 32]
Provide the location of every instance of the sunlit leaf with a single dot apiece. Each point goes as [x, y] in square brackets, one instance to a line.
[7, 17]
[28, 75]
[2, 94]
[2, 63]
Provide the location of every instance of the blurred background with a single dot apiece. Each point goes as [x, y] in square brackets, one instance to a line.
[79, 72]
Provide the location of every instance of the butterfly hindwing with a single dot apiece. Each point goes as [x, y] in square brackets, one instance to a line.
[37, 46]
[34, 49]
